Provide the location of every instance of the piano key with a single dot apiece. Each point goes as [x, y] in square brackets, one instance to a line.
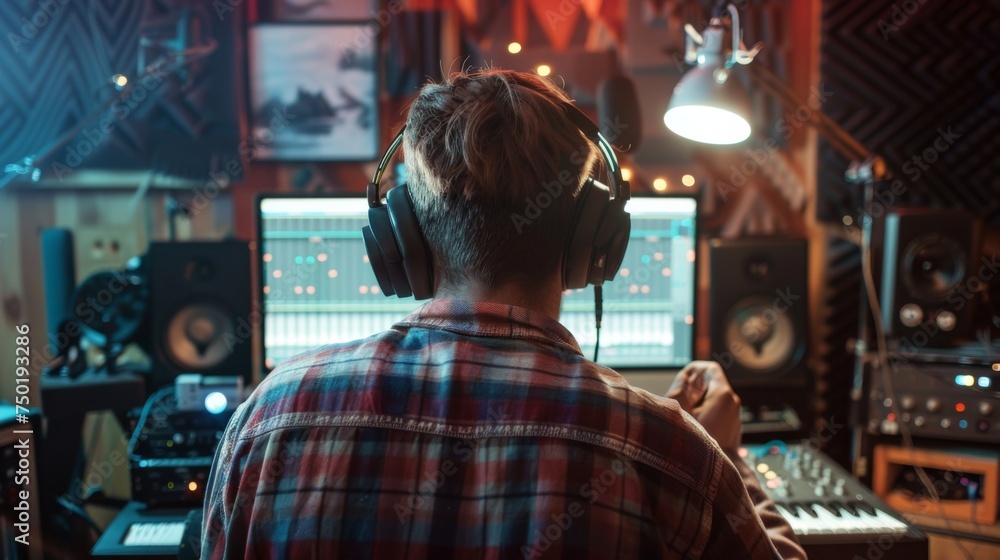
[832, 507]
[863, 506]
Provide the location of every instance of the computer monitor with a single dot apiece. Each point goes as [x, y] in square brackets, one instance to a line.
[318, 288]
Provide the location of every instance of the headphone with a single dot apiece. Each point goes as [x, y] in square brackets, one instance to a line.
[403, 264]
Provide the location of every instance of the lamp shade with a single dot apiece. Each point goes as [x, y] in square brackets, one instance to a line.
[704, 110]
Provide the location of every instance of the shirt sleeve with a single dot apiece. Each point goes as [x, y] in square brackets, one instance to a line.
[745, 522]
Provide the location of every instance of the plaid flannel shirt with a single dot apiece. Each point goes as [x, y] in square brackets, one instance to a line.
[470, 430]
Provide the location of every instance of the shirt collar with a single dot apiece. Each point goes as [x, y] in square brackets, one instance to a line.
[495, 320]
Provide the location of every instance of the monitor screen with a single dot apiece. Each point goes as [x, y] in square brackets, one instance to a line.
[318, 288]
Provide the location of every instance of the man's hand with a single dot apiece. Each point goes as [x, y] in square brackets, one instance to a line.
[703, 391]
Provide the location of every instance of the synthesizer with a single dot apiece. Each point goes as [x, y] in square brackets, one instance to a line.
[833, 515]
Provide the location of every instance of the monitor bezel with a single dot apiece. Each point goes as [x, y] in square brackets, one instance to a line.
[259, 292]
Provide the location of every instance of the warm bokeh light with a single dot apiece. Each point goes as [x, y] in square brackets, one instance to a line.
[626, 174]
[332, 273]
[310, 290]
[688, 180]
[298, 289]
[514, 47]
[267, 257]
[543, 69]
[120, 80]
[276, 274]
[362, 289]
[660, 184]
[192, 486]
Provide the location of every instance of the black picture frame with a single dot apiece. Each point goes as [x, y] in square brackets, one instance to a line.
[313, 91]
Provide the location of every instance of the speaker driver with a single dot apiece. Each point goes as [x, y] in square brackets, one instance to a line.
[933, 266]
[198, 337]
[760, 338]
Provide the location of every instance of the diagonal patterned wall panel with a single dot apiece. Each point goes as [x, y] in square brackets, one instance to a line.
[903, 72]
[58, 57]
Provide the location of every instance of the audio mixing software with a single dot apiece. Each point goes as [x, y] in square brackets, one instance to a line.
[318, 287]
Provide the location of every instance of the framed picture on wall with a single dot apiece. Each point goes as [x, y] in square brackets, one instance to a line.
[313, 92]
[319, 10]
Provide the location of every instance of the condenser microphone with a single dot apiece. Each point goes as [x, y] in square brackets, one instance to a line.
[618, 113]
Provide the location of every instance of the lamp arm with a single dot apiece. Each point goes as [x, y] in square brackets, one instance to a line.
[842, 141]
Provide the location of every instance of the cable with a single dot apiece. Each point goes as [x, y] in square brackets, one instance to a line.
[154, 399]
[598, 314]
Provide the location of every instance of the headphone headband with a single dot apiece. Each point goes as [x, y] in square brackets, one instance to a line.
[619, 187]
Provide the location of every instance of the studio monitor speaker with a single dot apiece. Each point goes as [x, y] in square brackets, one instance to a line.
[201, 318]
[930, 275]
[758, 310]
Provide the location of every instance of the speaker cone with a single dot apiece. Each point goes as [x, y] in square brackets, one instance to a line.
[200, 336]
[758, 336]
[933, 266]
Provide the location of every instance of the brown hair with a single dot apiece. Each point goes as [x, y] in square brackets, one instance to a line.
[494, 166]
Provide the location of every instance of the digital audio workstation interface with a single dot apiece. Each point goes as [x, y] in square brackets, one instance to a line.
[318, 287]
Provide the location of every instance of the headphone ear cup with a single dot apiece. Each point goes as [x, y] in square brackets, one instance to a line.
[380, 239]
[617, 246]
[377, 261]
[416, 257]
[590, 206]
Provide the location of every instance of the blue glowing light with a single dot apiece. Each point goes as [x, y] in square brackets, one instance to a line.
[216, 402]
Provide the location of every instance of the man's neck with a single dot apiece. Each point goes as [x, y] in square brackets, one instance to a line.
[543, 298]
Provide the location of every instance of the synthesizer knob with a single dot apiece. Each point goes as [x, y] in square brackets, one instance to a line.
[838, 488]
[178, 438]
[933, 405]
[907, 402]
[820, 490]
[985, 408]
[919, 421]
[945, 423]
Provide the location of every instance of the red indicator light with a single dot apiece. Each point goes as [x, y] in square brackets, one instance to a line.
[960, 407]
